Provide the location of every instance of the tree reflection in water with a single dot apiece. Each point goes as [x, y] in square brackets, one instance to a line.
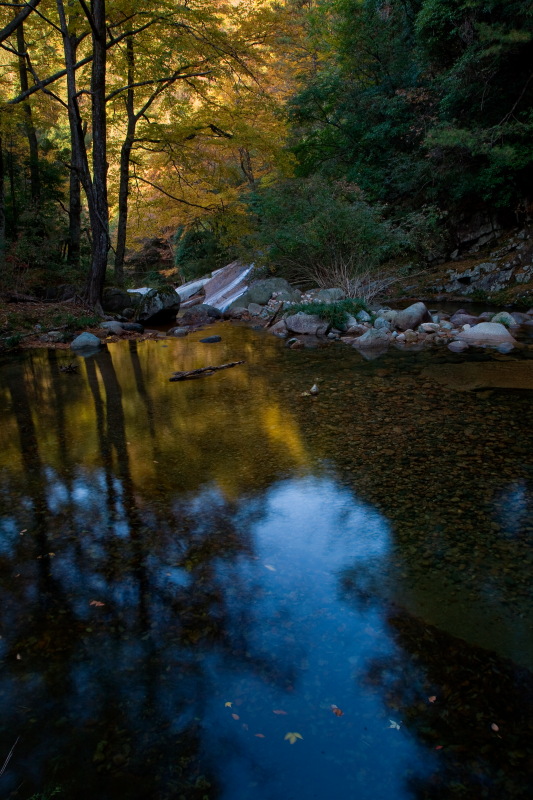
[138, 600]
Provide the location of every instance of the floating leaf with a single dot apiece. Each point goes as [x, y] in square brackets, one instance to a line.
[395, 725]
[228, 704]
[279, 711]
[270, 567]
[292, 737]
[96, 603]
[432, 698]
[439, 747]
[495, 727]
[260, 735]
[336, 710]
[235, 716]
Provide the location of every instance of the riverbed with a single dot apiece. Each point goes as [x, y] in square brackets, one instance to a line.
[229, 588]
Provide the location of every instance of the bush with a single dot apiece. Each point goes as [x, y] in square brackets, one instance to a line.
[198, 252]
[335, 313]
[322, 233]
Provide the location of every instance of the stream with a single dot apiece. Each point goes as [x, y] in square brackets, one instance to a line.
[227, 589]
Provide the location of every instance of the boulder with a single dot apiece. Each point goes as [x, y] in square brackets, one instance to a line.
[279, 328]
[373, 339]
[412, 316]
[382, 324]
[178, 332]
[86, 343]
[461, 318]
[486, 333]
[261, 291]
[116, 300]
[308, 324]
[203, 314]
[133, 327]
[211, 340]
[158, 305]
[504, 318]
[329, 295]
[363, 316]
[254, 309]
[113, 327]
[389, 314]
[458, 347]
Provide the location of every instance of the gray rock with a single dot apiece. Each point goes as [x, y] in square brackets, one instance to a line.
[261, 291]
[113, 327]
[504, 318]
[412, 317]
[158, 305]
[254, 309]
[308, 324]
[357, 330]
[458, 347]
[178, 332]
[211, 339]
[294, 296]
[330, 295]
[279, 329]
[461, 318]
[520, 318]
[127, 313]
[486, 333]
[388, 314]
[363, 316]
[373, 339]
[200, 315]
[446, 326]
[86, 343]
[133, 327]
[235, 312]
[382, 324]
[56, 336]
[428, 327]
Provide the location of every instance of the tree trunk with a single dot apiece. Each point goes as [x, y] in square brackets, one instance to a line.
[35, 181]
[98, 206]
[2, 204]
[12, 191]
[125, 154]
[74, 211]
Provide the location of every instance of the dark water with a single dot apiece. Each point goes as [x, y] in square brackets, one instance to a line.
[225, 589]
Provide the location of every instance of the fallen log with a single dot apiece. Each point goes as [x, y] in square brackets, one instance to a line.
[202, 371]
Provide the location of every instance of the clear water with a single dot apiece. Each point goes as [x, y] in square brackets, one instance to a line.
[224, 589]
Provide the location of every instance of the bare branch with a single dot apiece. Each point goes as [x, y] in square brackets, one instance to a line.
[18, 20]
[171, 196]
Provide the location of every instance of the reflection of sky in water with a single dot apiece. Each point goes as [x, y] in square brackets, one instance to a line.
[310, 530]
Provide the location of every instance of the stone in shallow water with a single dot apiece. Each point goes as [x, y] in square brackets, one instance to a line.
[86, 343]
[458, 347]
[491, 375]
[486, 333]
[211, 339]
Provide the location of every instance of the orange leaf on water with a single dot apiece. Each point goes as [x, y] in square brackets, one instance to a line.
[438, 747]
[278, 711]
[96, 603]
[336, 710]
[432, 698]
[235, 716]
[260, 735]
[495, 727]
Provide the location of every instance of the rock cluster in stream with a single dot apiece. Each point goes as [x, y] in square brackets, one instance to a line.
[373, 333]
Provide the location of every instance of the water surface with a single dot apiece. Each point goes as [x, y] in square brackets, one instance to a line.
[227, 589]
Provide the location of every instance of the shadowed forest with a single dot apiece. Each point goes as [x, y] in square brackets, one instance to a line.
[322, 140]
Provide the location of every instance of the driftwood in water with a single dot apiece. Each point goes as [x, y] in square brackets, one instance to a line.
[199, 373]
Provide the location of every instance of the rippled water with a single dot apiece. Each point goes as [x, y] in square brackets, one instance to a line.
[224, 589]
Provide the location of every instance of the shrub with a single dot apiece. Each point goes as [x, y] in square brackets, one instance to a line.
[335, 313]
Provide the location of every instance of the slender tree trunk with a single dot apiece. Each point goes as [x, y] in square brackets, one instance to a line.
[125, 155]
[2, 203]
[12, 192]
[98, 208]
[95, 186]
[35, 181]
[74, 224]
[74, 212]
